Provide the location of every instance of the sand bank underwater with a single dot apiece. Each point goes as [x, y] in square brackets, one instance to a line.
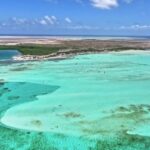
[94, 101]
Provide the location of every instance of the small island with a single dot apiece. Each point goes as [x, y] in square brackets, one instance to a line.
[47, 48]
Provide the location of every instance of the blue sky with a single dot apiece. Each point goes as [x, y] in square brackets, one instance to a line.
[101, 17]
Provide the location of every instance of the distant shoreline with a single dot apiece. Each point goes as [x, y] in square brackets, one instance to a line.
[65, 56]
[78, 37]
[47, 48]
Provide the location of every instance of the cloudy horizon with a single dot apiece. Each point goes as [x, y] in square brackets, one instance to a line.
[84, 17]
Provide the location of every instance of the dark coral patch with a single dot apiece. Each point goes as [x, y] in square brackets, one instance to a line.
[13, 97]
[36, 123]
[19, 69]
[72, 115]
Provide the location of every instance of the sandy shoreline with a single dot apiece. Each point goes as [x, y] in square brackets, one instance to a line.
[65, 56]
[71, 47]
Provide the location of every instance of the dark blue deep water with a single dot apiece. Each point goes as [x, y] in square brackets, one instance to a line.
[8, 54]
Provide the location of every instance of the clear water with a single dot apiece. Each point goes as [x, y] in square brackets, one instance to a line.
[8, 54]
[94, 101]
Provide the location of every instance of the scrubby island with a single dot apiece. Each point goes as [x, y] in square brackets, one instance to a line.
[35, 49]
[64, 48]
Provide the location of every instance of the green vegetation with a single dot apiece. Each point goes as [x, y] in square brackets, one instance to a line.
[33, 49]
[67, 48]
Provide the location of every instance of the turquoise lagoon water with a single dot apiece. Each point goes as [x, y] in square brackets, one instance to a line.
[89, 102]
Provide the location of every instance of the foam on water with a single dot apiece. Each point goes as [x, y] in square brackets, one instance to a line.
[95, 101]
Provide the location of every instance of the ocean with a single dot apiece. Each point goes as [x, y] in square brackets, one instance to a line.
[87, 102]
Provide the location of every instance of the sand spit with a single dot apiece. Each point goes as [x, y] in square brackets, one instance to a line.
[15, 41]
[36, 57]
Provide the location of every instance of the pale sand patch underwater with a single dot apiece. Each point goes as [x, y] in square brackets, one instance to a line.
[101, 97]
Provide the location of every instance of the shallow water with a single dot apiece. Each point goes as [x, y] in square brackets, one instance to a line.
[95, 101]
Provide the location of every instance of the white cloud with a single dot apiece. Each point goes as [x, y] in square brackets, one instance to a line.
[68, 20]
[4, 24]
[104, 4]
[135, 27]
[43, 22]
[84, 27]
[101, 4]
[54, 18]
[18, 21]
[48, 19]
[107, 4]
